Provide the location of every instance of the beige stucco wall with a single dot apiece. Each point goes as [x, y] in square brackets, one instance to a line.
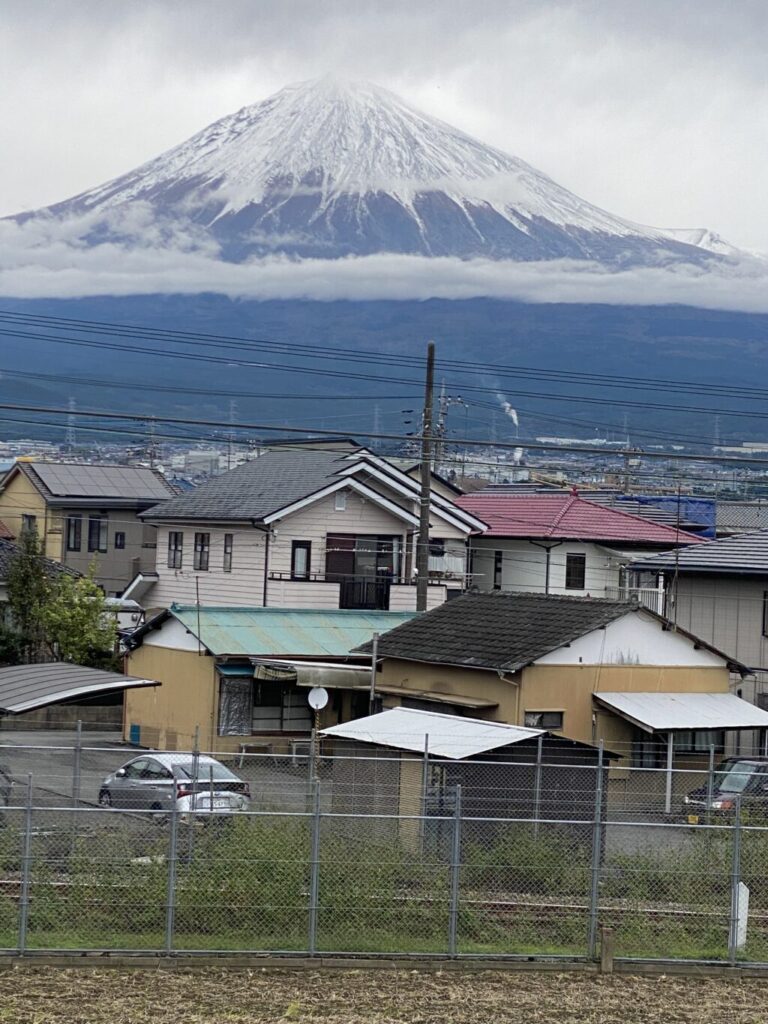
[19, 497]
[563, 688]
[168, 714]
[569, 689]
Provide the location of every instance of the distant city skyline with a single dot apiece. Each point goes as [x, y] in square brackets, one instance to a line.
[653, 111]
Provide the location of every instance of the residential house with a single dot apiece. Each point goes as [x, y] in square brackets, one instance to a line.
[323, 525]
[719, 591]
[561, 544]
[87, 514]
[585, 668]
[239, 677]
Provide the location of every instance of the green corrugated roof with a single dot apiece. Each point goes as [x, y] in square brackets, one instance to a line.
[286, 631]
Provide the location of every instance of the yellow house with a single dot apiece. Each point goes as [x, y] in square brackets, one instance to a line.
[231, 675]
[588, 669]
[86, 514]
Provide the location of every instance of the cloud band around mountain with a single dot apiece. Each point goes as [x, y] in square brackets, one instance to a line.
[63, 258]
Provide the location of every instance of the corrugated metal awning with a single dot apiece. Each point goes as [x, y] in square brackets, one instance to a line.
[27, 687]
[681, 712]
[444, 735]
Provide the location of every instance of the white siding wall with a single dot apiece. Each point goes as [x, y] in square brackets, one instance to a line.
[635, 639]
[315, 521]
[726, 611]
[403, 598]
[524, 566]
[243, 586]
[298, 594]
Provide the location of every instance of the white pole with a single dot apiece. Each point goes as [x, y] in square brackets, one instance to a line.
[670, 754]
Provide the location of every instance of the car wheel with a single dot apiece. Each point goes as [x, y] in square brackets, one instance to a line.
[105, 798]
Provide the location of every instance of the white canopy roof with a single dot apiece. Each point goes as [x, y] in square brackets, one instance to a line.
[675, 712]
[444, 735]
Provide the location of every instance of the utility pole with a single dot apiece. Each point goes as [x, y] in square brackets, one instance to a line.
[422, 548]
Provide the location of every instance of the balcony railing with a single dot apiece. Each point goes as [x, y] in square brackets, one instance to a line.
[649, 597]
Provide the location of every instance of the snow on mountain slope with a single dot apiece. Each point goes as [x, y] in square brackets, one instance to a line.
[331, 168]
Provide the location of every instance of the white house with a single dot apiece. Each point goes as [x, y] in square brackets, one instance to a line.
[310, 525]
[563, 544]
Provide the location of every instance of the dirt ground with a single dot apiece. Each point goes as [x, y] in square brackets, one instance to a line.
[50, 995]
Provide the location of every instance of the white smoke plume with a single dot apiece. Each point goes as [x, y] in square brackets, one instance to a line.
[508, 409]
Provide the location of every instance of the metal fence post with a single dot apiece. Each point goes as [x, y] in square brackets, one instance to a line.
[314, 876]
[173, 863]
[710, 780]
[453, 916]
[537, 786]
[733, 930]
[193, 795]
[597, 856]
[26, 870]
[77, 764]
[424, 788]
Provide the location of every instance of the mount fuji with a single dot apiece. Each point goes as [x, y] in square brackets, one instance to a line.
[330, 168]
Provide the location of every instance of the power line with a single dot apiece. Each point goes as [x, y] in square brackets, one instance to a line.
[232, 341]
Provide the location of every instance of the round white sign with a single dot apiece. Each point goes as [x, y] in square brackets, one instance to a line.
[318, 698]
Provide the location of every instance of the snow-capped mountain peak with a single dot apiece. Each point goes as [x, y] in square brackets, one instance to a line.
[333, 167]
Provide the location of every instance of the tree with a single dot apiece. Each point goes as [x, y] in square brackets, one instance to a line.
[77, 625]
[28, 587]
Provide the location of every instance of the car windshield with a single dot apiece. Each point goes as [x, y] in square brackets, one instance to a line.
[204, 770]
[735, 778]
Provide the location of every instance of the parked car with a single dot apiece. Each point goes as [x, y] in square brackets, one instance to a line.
[736, 778]
[159, 781]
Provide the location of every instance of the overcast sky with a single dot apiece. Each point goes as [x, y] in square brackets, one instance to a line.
[656, 110]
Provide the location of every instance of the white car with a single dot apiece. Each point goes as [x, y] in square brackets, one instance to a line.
[159, 781]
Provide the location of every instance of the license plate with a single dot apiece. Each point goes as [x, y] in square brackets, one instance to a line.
[221, 803]
[693, 819]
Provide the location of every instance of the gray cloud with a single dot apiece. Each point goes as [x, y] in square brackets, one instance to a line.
[49, 257]
[655, 111]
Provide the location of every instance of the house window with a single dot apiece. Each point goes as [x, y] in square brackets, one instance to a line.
[280, 708]
[498, 562]
[97, 534]
[575, 571]
[74, 533]
[201, 552]
[340, 501]
[300, 559]
[436, 547]
[229, 543]
[175, 549]
[544, 719]
[120, 540]
[28, 522]
[698, 741]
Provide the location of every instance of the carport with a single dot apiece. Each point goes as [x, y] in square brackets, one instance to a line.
[664, 714]
[29, 687]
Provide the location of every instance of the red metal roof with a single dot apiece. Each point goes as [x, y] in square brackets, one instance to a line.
[567, 517]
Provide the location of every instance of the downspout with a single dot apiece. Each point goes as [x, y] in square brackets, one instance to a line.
[548, 549]
[266, 567]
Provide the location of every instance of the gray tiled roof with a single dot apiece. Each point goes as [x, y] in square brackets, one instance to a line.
[500, 630]
[83, 480]
[743, 554]
[254, 490]
[742, 515]
[7, 552]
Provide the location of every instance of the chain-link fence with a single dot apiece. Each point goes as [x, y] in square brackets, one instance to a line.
[373, 854]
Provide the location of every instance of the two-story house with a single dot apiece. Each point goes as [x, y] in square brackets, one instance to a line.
[87, 514]
[562, 544]
[310, 525]
[719, 590]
